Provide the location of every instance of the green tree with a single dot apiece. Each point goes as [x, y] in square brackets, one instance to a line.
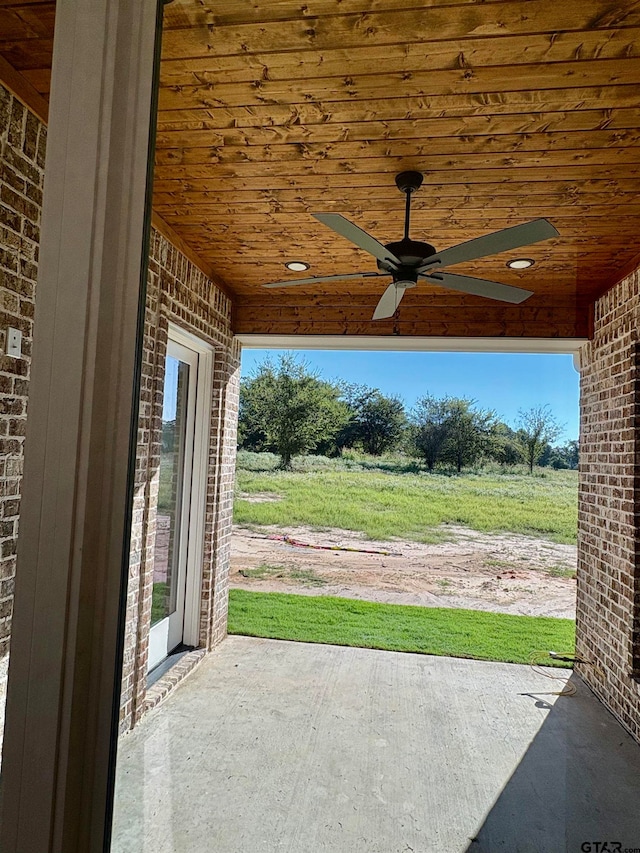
[168, 435]
[537, 428]
[251, 432]
[469, 433]
[287, 409]
[566, 456]
[376, 422]
[503, 446]
[451, 430]
[430, 424]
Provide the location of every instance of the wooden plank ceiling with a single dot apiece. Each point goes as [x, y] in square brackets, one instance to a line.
[273, 109]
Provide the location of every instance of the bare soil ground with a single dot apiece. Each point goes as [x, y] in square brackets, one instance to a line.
[507, 573]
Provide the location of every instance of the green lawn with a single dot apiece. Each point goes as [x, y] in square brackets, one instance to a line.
[401, 628]
[159, 602]
[384, 499]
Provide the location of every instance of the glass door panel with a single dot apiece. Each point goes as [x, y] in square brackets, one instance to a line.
[172, 519]
[165, 571]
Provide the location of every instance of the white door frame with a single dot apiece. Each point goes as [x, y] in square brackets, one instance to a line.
[199, 480]
[184, 623]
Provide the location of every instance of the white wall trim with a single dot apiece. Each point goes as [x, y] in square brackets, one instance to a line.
[399, 343]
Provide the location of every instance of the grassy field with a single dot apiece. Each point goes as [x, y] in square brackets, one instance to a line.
[394, 498]
[434, 631]
[159, 602]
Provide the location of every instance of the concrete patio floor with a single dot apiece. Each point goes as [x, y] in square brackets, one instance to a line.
[278, 746]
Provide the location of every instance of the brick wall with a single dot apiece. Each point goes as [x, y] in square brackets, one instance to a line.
[220, 487]
[22, 146]
[179, 293]
[608, 611]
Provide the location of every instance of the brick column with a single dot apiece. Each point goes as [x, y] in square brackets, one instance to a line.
[22, 152]
[145, 501]
[217, 549]
[608, 578]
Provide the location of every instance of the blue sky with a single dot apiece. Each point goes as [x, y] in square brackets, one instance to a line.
[170, 399]
[505, 382]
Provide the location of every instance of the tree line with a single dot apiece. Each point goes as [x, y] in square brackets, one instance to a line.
[287, 409]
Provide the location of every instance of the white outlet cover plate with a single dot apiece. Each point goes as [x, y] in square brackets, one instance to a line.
[14, 343]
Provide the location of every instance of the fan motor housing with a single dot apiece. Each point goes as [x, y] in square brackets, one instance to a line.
[409, 182]
[412, 253]
[405, 277]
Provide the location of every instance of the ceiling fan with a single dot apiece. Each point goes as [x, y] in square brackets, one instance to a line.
[408, 260]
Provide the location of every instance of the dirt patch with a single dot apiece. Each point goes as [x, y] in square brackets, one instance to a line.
[505, 573]
[259, 497]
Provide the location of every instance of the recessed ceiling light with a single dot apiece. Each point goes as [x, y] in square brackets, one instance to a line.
[521, 263]
[297, 266]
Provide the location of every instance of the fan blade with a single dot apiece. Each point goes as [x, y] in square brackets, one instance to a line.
[356, 235]
[478, 286]
[389, 301]
[294, 282]
[492, 244]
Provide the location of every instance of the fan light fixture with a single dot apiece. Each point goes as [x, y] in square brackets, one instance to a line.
[521, 263]
[297, 266]
[406, 261]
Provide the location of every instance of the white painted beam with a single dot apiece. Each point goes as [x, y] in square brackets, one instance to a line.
[398, 343]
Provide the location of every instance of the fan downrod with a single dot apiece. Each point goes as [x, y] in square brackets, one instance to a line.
[409, 182]
[411, 253]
